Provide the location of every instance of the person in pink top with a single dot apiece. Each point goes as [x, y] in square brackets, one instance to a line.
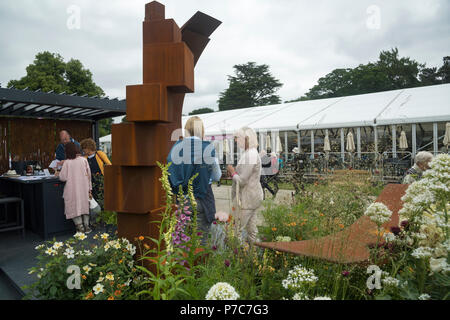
[76, 174]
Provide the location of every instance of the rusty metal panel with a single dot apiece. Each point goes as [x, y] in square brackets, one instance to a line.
[132, 186]
[138, 144]
[171, 64]
[132, 189]
[352, 244]
[161, 31]
[147, 102]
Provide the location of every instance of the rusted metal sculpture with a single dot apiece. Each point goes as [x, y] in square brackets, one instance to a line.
[351, 244]
[154, 110]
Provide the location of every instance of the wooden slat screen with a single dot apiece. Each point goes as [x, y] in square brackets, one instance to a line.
[36, 139]
[4, 152]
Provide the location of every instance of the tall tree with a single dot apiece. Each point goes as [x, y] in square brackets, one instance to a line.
[201, 111]
[252, 85]
[388, 73]
[49, 72]
[444, 71]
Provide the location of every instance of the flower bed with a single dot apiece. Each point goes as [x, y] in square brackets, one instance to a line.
[409, 261]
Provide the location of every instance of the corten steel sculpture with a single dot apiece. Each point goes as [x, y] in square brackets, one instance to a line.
[351, 244]
[154, 110]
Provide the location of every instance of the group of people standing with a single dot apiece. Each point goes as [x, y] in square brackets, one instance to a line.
[247, 192]
[82, 170]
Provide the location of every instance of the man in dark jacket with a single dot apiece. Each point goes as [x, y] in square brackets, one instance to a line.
[65, 137]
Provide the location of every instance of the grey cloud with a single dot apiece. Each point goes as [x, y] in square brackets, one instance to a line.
[300, 40]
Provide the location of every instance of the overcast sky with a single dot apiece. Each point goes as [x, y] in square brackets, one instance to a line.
[300, 40]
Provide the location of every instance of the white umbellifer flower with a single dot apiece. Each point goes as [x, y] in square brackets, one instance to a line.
[100, 279]
[69, 253]
[389, 237]
[300, 296]
[127, 283]
[222, 291]
[131, 264]
[87, 269]
[80, 236]
[322, 298]
[424, 296]
[438, 265]
[87, 252]
[98, 288]
[283, 239]
[391, 282]
[378, 213]
[422, 252]
[299, 276]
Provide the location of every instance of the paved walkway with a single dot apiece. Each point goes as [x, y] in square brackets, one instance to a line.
[223, 199]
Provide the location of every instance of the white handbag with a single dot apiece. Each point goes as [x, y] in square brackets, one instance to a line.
[94, 206]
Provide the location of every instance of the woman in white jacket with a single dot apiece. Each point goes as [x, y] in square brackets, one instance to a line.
[247, 190]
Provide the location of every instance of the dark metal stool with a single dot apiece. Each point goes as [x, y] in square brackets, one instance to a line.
[20, 216]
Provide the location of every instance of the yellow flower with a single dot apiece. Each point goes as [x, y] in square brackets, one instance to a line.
[274, 229]
[109, 277]
[141, 238]
[111, 298]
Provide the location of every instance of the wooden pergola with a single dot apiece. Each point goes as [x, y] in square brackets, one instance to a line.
[30, 121]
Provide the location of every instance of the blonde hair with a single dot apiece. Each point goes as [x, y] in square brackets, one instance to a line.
[249, 137]
[194, 127]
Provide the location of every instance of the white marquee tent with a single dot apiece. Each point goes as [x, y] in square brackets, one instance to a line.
[415, 105]
[425, 109]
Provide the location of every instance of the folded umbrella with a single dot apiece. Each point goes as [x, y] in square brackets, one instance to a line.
[403, 143]
[268, 142]
[447, 135]
[326, 143]
[279, 146]
[350, 143]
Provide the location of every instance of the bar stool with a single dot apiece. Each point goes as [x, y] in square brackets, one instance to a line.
[20, 216]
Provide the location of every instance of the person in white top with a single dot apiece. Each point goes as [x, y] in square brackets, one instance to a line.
[247, 192]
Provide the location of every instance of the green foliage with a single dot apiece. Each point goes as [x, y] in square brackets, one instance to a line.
[201, 111]
[50, 72]
[168, 266]
[390, 72]
[253, 85]
[318, 211]
[105, 126]
[98, 260]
